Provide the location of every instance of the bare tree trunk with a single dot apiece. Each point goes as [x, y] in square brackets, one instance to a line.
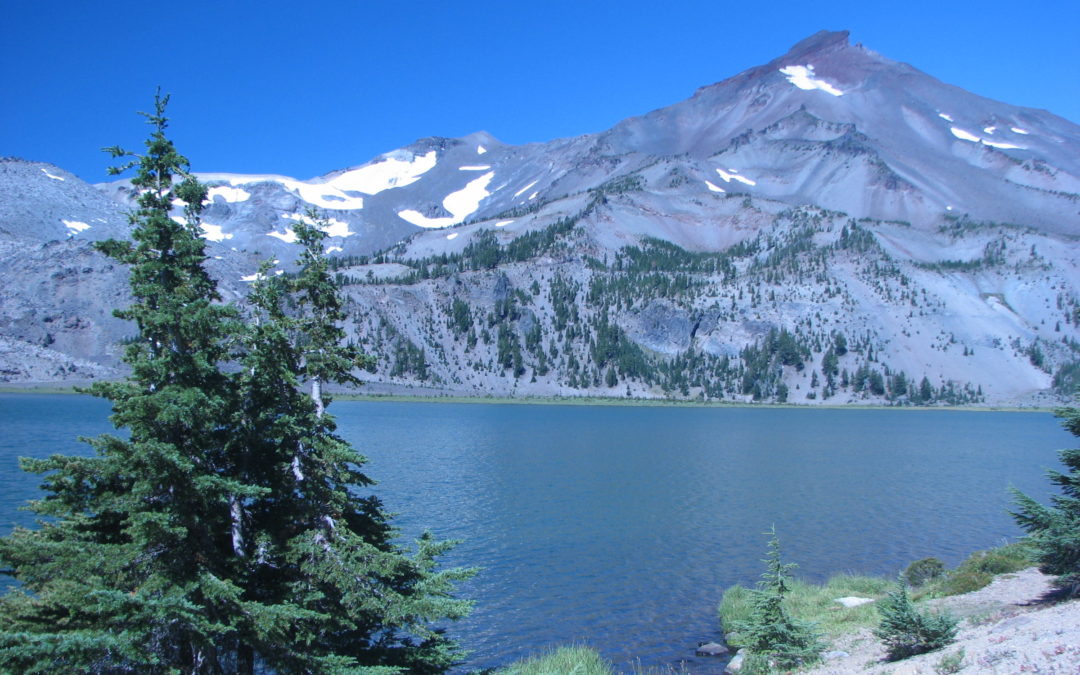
[316, 396]
[236, 515]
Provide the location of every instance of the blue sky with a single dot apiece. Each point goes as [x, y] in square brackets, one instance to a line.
[305, 88]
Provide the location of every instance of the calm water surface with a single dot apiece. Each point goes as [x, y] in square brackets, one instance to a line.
[619, 527]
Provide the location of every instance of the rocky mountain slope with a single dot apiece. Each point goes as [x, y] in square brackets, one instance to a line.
[831, 226]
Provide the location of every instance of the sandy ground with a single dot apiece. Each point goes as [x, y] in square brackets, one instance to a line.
[1006, 628]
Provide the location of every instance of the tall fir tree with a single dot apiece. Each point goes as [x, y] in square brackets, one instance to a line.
[1055, 529]
[223, 533]
[129, 573]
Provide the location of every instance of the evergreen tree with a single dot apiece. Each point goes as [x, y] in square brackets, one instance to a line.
[771, 634]
[905, 631]
[130, 573]
[226, 530]
[1055, 529]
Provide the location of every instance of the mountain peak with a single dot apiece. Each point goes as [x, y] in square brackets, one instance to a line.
[821, 41]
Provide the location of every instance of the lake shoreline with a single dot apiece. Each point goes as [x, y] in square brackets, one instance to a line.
[588, 401]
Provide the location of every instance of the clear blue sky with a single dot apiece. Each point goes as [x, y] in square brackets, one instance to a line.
[303, 88]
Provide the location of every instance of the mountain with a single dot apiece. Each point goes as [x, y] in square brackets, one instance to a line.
[830, 226]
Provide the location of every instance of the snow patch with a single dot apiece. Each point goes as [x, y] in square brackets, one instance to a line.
[522, 190]
[1003, 146]
[228, 193]
[251, 277]
[333, 249]
[1018, 130]
[288, 236]
[503, 223]
[964, 135]
[334, 227]
[533, 195]
[480, 149]
[968, 136]
[46, 172]
[453, 235]
[213, 232]
[732, 174]
[948, 208]
[803, 78]
[474, 167]
[75, 225]
[460, 204]
[989, 130]
[713, 187]
[947, 118]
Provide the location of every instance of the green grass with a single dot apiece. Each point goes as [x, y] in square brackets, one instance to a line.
[815, 603]
[575, 660]
[979, 570]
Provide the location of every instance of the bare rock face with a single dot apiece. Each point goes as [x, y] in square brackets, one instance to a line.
[829, 226]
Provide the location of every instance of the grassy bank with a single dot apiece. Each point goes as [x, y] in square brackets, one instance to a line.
[817, 604]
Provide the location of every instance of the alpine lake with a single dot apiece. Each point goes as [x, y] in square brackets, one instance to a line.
[620, 526]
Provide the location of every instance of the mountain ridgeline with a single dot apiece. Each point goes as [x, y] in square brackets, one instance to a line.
[829, 227]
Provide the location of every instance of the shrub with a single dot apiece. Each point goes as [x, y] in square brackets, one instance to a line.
[921, 571]
[905, 631]
[979, 569]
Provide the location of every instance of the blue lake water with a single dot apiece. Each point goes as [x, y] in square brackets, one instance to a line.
[619, 527]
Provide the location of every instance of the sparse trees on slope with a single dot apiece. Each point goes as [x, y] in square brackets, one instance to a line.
[1055, 529]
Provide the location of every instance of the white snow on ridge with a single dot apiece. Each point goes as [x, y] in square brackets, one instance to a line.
[480, 149]
[1018, 130]
[75, 225]
[714, 188]
[803, 78]
[333, 249]
[964, 135]
[229, 194]
[503, 223]
[460, 204]
[213, 232]
[734, 175]
[533, 195]
[989, 130]
[453, 235]
[522, 190]
[474, 167]
[46, 172]
[947, 118]
[398, 169]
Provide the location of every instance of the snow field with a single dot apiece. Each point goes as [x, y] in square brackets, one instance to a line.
[803, 78]
[460, 204]
[74, 225]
